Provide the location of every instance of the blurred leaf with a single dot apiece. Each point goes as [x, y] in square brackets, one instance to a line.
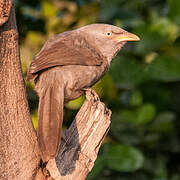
[161, 170]
[124, 158]
[122, 129]
[157, 167]
[141, 115]
[165, 28]
[163, 122]
[34, 38]
[136, 98]
[150, 57]
[89, 13]
[52, 26]
[48, 9]
[145, 114]
[126, 73]
[175, 177]
[174, 13]
[151, 40]
[108, 10]
[164, 68]
[76, 104]
[127, 115]
[125, 98]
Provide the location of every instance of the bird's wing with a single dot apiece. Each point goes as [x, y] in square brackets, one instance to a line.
[50, 118]
[59, 53]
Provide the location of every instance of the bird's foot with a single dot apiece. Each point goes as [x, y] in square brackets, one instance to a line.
[91, 94]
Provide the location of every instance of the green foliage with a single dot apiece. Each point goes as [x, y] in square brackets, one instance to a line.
[121, 78]
[164, 123]
[145, 114]
[136, 98]
[164, 68]
[76, 104]
[124, 158]
[142, 88]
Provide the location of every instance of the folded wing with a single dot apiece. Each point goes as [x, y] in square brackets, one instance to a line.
[60, 51]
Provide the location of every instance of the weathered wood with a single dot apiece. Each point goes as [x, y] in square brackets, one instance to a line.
[19, 157]
[81, 142]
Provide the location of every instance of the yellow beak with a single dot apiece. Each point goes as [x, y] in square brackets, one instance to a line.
[127, 37]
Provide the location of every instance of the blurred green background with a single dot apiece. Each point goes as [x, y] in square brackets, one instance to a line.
[142, 88]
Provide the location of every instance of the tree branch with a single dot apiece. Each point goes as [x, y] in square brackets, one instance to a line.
[81, 142]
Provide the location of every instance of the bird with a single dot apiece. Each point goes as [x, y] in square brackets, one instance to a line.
[67, 64]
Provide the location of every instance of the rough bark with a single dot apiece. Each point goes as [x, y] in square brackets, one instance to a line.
[19, 157]
[5, 7]
[81, 142]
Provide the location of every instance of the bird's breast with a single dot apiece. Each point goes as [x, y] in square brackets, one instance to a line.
[73, 78]
[78, 77]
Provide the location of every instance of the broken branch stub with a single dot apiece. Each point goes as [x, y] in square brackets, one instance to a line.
[81, 142]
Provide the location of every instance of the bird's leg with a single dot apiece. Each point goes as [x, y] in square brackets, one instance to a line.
[91, 93]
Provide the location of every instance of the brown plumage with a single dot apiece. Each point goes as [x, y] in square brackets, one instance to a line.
[67, 64]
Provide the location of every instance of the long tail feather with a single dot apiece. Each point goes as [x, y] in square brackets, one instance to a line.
[50, 118]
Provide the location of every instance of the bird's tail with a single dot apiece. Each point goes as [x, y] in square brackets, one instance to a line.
[50, 118]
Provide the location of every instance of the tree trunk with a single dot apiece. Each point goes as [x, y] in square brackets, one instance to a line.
[19, 157]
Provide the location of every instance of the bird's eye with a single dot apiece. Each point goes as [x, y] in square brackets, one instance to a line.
[108, 34]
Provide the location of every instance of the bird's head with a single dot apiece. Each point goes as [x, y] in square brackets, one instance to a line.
[108, 39]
